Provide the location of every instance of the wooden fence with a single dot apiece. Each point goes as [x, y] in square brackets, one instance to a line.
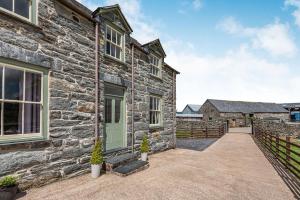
[197, 132]
[287, 152]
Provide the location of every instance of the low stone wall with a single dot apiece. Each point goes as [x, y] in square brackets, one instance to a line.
[275, 127]
[201, 124]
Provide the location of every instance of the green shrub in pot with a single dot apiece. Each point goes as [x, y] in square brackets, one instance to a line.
[145, 148]
[96, 159]
[8, 188]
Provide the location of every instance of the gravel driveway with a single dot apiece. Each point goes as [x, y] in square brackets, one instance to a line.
[195, 144]
[232, 168]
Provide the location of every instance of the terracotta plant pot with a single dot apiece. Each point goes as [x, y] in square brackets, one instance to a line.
[144, 156]
[8, 193]
[95, 170]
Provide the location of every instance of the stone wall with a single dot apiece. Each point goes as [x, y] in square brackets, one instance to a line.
[189, 125]
[66, 48]
[209, 111]
[274, 127]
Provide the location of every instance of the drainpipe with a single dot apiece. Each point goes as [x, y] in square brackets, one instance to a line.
[132, 97]
[97, 81]
[174, 108]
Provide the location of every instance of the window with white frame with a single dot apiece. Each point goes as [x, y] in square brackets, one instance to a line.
[155, 65]
[21, 102]
[114, 42]
[23, 8]
[155, 110]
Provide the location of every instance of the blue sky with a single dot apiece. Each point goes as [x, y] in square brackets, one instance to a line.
[225, 49]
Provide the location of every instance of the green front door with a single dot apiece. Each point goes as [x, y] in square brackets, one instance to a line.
[114, 118]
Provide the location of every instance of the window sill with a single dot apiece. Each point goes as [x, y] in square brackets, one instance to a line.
[24, 145]
[20, 19]
[158, 126]
[115, 60]
[156, 77]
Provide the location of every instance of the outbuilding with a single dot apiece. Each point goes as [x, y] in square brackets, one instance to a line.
[238, 113]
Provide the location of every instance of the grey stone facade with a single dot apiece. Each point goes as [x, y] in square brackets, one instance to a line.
[66, 48]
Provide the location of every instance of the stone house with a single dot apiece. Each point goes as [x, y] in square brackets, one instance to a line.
[191, 112]
[69, 75]
[238, 113]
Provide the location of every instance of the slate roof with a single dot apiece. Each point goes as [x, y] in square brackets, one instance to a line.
[194, 107]
[290, 105]
[246, 107]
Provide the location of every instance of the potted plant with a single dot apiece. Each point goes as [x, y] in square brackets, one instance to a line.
[96, 159]
[8, 188]
[144, 148]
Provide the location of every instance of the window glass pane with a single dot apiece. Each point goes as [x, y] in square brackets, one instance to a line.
[108, 48]
[151, 103]
[33, 87]
[108, 33]
[32, 118]
[118, 52]
[108, 110]
[12, 118]
[6, 4]
[114, 37]
[13, 84]
[22, 7]
[117, 110]
[113, 50]
[118, 39]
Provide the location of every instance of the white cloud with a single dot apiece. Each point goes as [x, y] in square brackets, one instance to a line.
[90, 4]
[189, 5]
[237, 75]
[143, 30]
[296, 13]
[274, 38]
[197, 4]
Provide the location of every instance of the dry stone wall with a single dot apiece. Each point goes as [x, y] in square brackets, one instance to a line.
[274, 127]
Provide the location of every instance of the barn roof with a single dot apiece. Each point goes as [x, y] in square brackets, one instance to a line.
[246, 107]
[194, 107]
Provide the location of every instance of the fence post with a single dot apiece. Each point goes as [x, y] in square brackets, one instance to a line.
[206, 132]
[270, 141]
[288, 146]
[277, 145]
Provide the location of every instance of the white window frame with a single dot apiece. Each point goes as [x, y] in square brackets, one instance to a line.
[154, 66]
[121, 46]
[32, 9]
[23, 101]
[158, 111]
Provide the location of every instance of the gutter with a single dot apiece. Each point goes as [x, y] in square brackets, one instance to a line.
[132, 97]
[174, 107]
[97, 70]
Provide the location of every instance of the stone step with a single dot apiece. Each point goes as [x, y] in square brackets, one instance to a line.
[122, 159]
[131, 167]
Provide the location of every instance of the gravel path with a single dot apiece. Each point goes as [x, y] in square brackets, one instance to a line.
[231, 168]
[195, 144]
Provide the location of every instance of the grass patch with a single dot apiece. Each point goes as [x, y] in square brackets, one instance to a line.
[183, 134]
[283, 157]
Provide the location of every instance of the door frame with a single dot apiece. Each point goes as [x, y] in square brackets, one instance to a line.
[124, 104]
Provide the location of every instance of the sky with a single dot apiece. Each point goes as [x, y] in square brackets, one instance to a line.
[246, 50]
